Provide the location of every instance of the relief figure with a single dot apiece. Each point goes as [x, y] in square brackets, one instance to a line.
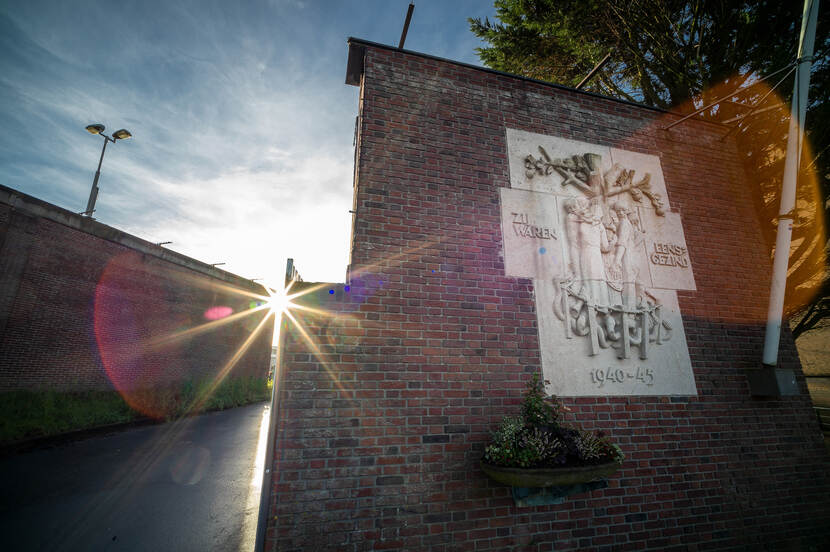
[624, 263]
[593, 242]
[573, 206]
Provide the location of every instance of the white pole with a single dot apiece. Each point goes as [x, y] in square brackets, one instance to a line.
[785, 216]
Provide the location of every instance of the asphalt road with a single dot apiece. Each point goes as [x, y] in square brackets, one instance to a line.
[188, 485]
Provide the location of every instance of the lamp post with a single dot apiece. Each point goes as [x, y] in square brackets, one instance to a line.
[98, 128]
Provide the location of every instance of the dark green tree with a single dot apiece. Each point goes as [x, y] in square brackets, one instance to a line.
[682, 55]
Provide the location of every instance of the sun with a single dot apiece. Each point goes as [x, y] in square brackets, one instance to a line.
[278, 301]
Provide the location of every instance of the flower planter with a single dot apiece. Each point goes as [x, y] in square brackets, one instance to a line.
[549, 477]
[537, 436]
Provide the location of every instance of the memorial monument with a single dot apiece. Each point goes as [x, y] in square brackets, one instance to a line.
[593, 228]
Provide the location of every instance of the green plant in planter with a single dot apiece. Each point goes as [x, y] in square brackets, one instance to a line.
[537, 438]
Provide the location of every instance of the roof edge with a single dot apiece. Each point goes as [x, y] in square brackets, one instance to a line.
[358, 45]
[354, 65]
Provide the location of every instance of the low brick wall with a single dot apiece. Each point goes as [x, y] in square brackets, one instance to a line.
[84, 306]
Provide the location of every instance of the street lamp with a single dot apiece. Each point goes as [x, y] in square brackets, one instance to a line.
[98, 128]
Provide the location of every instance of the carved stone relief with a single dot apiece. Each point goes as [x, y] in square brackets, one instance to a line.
[531, 233]
[593, 228]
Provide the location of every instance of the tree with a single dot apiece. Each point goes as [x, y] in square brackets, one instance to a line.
[682, 55]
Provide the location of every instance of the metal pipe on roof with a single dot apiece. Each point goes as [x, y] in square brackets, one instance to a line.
[406, 24]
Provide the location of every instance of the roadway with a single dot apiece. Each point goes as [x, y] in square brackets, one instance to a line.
[188, 485]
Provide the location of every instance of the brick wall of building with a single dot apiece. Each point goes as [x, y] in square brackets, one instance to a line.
[84, 306]
[386, 402]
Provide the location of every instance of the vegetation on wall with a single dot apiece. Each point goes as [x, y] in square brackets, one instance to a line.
[539, 439]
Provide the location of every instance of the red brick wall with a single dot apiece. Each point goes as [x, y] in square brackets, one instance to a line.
[385, 411]
[80, 312]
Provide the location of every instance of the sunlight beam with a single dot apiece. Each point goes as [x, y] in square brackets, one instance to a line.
[225, 370]
[161, 341]
[316, 352]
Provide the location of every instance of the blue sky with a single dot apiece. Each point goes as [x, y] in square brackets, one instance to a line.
[242, 124]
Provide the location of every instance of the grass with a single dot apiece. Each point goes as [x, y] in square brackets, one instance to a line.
[31, 414]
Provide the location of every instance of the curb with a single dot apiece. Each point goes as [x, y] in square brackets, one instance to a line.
[50, 441]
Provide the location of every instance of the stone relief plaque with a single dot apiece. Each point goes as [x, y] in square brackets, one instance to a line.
[530, 226]
[668, 257]
[592, 227]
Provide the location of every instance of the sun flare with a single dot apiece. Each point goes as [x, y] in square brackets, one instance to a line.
[279, 300]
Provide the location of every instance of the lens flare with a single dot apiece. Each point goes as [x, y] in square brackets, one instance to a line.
[758, 119]
[147, 332]
[215, 313]
[130, 306]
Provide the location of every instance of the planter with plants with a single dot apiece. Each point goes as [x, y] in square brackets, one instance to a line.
[536, 451]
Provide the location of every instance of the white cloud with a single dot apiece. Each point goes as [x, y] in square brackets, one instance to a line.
[253, 221]
[242, 149]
